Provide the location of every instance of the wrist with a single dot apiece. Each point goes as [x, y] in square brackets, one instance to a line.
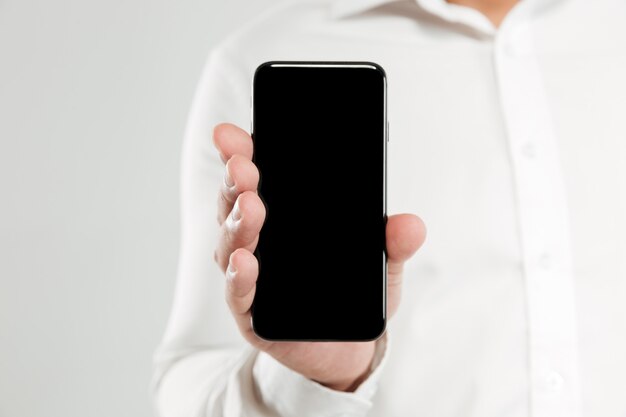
[349, 383]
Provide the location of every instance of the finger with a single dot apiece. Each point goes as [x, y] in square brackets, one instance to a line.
[240, 175]
[241, 276]
[405, 234]
[241, 228]
[232, 140]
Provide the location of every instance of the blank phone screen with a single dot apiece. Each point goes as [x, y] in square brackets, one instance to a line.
[319, 133]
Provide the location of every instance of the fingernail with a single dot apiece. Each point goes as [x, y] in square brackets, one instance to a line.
[236, 213]
[231, 270]
[228, 180]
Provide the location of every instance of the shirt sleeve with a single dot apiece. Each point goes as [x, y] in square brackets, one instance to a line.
[203, 367]
[292, 395]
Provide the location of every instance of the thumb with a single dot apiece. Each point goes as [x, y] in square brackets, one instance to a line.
[405, 235]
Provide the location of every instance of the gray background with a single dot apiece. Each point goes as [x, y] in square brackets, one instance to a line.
[93, 101]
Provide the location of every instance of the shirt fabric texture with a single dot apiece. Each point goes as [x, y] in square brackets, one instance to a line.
[510, 143]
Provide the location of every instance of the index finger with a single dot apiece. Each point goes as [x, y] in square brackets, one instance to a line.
[230, 140]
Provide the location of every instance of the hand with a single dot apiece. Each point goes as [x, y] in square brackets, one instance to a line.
[338, 365]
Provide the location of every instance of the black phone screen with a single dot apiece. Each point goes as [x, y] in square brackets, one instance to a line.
[320, 131]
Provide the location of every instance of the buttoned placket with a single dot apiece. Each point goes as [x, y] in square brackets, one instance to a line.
[543, 221]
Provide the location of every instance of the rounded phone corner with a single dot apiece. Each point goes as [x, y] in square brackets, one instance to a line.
[258, 333]
[378, 68]
[262, 67]
[378, 333]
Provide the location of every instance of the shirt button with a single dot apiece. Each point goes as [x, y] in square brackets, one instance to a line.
[510, 45]
[528, 150]
[545, 261]
[509, 48]
[554, 381]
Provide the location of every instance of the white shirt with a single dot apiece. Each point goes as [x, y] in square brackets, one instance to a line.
[511, 145]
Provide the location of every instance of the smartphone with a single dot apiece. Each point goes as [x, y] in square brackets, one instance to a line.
[320, 139]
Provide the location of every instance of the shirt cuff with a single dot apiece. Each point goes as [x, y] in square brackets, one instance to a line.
[293, 395]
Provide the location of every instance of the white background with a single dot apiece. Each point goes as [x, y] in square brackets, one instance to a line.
[93, 101]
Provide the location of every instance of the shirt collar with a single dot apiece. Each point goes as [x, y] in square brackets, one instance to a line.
[344, 8]
[441, 8]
